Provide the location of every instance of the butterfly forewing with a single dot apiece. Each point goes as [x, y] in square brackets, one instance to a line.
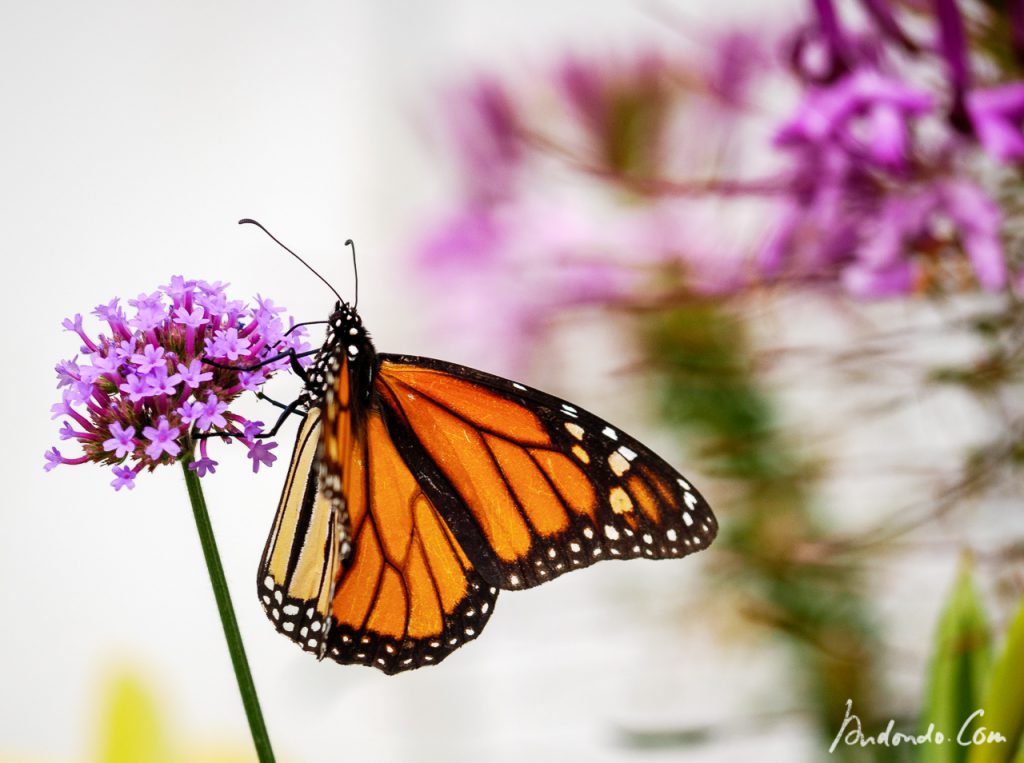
[534, 486]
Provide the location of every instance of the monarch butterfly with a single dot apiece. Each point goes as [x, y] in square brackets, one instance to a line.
[418, 489]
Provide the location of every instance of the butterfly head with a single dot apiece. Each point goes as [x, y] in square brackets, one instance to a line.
[347, 352]
[345, 329]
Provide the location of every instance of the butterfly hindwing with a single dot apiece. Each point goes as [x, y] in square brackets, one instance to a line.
[533, 486]
[299, 560]
[407, 595]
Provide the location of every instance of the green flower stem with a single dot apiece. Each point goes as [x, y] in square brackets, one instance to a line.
[246, 688]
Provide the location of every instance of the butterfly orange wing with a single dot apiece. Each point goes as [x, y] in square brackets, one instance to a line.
[407, 595]
[532, 486]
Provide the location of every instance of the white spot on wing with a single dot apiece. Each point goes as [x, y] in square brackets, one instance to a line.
[609, 432]
[574, 429]
[618, 464]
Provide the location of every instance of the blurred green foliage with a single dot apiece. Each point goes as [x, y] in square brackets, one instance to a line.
[1003, 699]
[773, 552]
[961, 660]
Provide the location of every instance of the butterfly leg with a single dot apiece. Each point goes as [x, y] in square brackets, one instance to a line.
[272, 401]
[292, 407]
[304, 323]
[290, 354]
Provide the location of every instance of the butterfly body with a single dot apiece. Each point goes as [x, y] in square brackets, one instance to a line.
[421, 488]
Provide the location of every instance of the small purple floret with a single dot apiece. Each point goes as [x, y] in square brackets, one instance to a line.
[151, 357]
[136, 388]
[193, 375]
[122, 442]
[204, 466]
[162, 439]
[193, 318]
[211, 414]
[53, 459]
[123, 477]
[228, 344]
[259, 452]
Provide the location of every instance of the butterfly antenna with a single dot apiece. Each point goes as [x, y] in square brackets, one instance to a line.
[248, 221]
[355, 271]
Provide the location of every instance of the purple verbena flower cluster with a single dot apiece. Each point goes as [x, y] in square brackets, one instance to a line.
[142, 394]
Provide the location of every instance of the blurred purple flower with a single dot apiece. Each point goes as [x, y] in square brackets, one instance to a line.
[507, 269]
[470, 235]
[874, 188]
[737, 58]
[866, 282]
[872, 243]
[996, 115]
[978, 221]
[622, 108]
[952, 44]
[487, 137]
[865, 113]
[881, 13]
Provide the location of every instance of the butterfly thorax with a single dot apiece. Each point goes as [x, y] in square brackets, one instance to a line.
[347, 350]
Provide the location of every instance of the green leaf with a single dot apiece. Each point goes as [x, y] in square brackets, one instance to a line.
[1004, 701]
[959, 668]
